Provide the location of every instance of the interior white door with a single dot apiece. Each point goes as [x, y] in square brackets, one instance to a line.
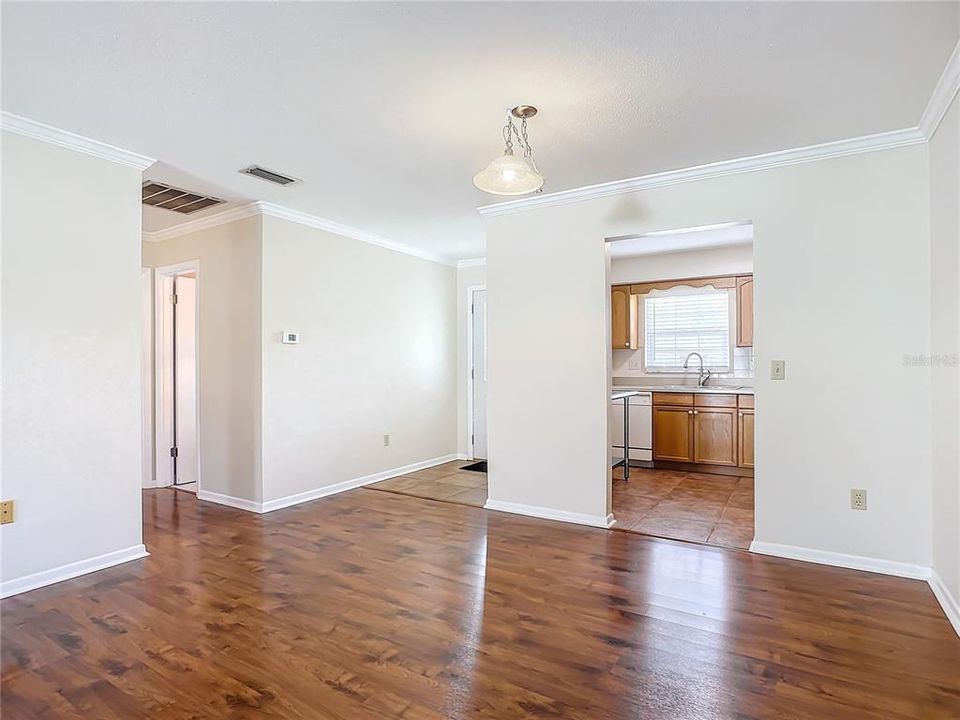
[478, 368]
[185, 379]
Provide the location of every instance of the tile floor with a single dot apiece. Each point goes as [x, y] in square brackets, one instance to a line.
[698, 507]
[443, 482]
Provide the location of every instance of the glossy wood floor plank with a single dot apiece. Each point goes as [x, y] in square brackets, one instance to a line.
[372, 604]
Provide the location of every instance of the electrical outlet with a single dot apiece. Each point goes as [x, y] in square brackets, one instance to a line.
[778, 369]
[6, 512]
[858, 499]
[386, 441]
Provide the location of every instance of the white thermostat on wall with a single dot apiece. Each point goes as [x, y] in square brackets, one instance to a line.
[290, 338]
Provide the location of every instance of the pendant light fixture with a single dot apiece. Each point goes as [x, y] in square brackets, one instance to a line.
[509, 174]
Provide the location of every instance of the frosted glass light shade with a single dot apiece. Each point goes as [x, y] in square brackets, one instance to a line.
[508, 175]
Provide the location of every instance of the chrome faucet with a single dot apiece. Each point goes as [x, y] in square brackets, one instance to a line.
[702, 375]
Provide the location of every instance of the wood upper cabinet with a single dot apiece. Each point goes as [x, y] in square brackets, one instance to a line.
[673, 434]
[715, 436]
[745, 311]
[623, 318]
[746, 438]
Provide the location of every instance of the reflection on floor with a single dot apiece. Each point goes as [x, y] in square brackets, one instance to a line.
[447, 482]
[712, 509]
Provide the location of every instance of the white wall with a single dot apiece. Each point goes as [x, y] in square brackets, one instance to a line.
[377, 355]
[466, 277]
[731, 260]
[848, 235]
[229, 393]
[945, 346]
[71, 319]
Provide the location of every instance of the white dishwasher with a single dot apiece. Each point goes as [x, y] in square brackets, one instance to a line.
[641, 427]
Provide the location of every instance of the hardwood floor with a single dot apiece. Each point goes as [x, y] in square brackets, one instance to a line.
[697, 507]
[377, 605]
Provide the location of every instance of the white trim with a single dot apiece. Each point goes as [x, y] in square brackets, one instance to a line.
[351, 232]
[950, 605]
[272, 210]
[63, 138]
[472, 262]
[204, 223]
[550, 513]
[71, 570]
[229, 501]
[163, 472]
[852, 562]
[840, 148]
[317, 493]
[943, 93]
[468, 362]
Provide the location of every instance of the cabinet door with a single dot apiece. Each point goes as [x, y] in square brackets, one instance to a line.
[715, 436]
[746, 438]
[745, 311]
[622, 318]
[673, 434]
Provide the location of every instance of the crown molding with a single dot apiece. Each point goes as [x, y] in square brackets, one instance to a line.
[810, 153]
[63, 138]
[472, 262]
[943, 94]
[336, 228]
[204, 223]
[301, 218]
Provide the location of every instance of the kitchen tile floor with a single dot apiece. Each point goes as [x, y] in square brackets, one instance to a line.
[699, 507]
[445, 482]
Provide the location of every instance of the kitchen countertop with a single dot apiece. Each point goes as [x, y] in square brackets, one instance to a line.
[709, 389]
[621, 393]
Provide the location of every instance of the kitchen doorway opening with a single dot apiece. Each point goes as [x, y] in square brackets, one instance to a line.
[682, 404]
[177, 376]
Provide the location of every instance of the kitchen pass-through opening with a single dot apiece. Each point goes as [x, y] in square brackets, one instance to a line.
[682, 404]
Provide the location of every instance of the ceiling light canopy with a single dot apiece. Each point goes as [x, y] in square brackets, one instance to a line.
[509, 174]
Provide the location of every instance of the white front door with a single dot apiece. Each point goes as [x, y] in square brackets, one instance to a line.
[185, 380]
[478, 368]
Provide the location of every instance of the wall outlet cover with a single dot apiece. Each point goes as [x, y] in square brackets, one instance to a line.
[858, 499]
[288, 337]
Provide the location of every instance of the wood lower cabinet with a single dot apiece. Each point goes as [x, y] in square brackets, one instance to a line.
[710, 430]
[673, 434]
[745, 435]
[715, 436]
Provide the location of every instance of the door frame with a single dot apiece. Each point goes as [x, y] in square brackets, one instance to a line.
[163, 354]
[468, 363]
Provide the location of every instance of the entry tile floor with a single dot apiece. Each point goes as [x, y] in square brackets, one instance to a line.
[447, 482]
[697, 507]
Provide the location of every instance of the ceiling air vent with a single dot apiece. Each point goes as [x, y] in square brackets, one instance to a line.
[171, 198]
[269, 175]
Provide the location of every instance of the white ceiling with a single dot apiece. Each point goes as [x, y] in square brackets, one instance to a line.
[670, 241]
[386, 110]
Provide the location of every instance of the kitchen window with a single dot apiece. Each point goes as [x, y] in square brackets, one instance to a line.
[683, 320]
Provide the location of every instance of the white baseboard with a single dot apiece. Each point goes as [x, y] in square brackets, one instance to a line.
[950, 604]
[317, 493]
[71, 570]
[229, 500]
[550, 513]
[340, 487]
[853, 562]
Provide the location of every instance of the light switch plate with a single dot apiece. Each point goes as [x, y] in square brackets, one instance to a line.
[778, 369]
[290, 338]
